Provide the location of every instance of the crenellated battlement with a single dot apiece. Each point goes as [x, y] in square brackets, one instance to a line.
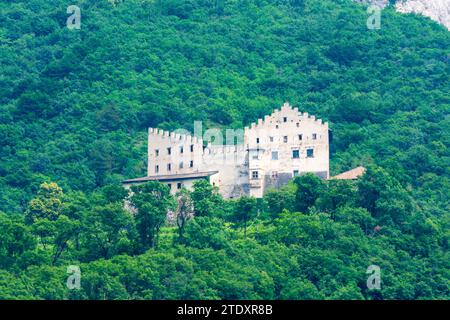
[266, 123]
[286, 110]
[173, 137]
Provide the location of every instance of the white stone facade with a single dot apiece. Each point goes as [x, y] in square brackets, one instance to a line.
[272, 151]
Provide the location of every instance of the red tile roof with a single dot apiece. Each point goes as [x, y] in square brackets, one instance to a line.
[351, 174]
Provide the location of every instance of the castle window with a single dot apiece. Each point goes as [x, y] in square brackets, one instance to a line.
[285, 119]
[192, 148]
[169, 167]
[310, 153]
[179, 185]
[181, 165]
[295, 154]
[276, 126]
[181, 150]
[297, 124]
[314, 136]
[191, 164]
[156, 152]
[169, 150]
[271, 139]
[255, 175]
[285, 139]
[274, 175]
[295, 173]
[156, 169]
[274, 155]
[300, 137]
[170, 186]
[257, 140]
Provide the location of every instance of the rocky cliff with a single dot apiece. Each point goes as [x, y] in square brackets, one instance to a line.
[437, 10]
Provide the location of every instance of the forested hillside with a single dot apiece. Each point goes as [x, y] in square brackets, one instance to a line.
[75, 106]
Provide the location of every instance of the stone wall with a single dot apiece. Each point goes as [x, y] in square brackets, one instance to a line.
[299, 141]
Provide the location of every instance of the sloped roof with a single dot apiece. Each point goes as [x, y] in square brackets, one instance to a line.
[166, 177]
[351, 174]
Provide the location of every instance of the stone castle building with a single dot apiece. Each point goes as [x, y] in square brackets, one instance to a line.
[267, 154]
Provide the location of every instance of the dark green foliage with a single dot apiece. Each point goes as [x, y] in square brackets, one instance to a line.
[74, 104]
[384, 197]
[184, 211]
[114, 193]
[110, 230]
[206, 232]
[279, 200]
[358, 216]
[245, 209]
[15, 240]
[293, 256]
[152, 202]
[309, 189]
[205, 198]
[337, 194]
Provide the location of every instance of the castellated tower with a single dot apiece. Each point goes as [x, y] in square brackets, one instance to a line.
[273, 150]
[283, 145]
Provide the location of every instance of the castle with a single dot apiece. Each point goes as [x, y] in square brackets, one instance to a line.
[265, 155]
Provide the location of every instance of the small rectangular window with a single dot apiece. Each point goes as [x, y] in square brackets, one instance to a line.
[271, 139]
[297, 124]
[156, 169]
[181, 165]
[254, 174]
[295, 154]
[179, 185]
[170, 186]
[181, 150]
[156, 152]
[314, 136]
[191, 164]
[169, 150]
[274, 155]
[300, 137]
[285, 119]
[192, 148]
[295, 173]
[169, 167]
[257, 140]
[285, 139]
[310, 153]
